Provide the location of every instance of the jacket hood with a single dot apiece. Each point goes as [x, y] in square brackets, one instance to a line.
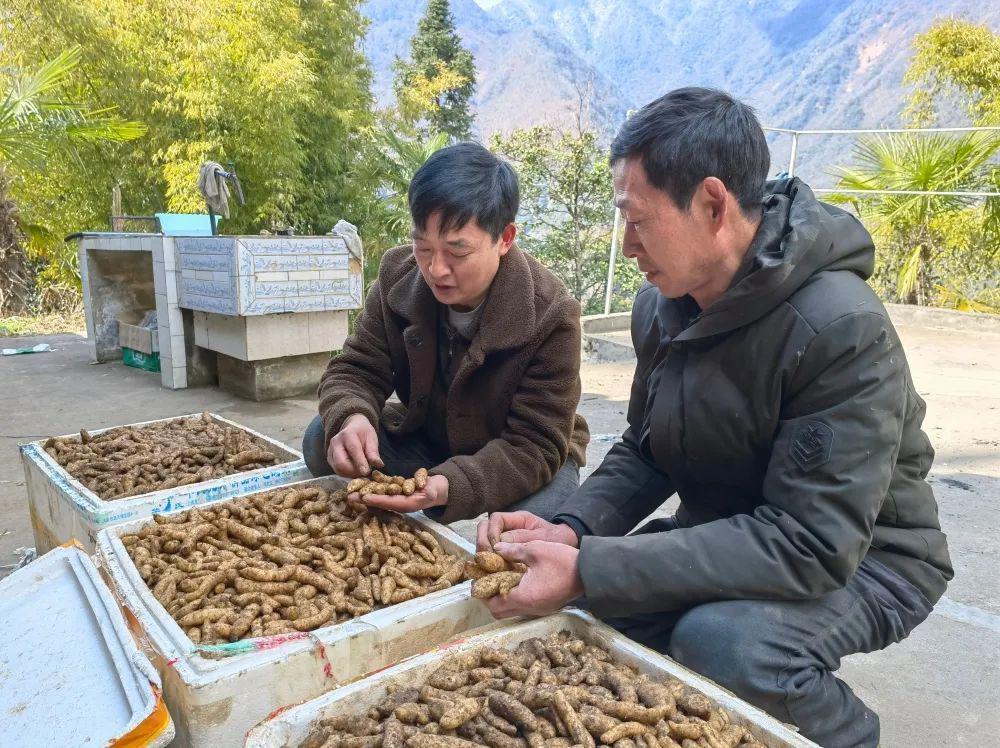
[798, 237]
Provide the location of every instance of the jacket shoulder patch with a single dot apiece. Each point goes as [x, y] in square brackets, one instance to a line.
[811, 445]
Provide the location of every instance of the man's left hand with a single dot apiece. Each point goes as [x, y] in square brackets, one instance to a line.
[435, 493]
[552, 579]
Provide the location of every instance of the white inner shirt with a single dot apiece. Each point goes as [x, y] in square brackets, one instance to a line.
[465, 323]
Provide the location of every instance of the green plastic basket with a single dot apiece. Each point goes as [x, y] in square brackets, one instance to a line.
[140, 360]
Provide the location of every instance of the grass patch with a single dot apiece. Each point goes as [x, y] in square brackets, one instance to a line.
[41, 324]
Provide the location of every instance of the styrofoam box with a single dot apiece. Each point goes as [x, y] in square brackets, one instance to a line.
[216, 693]
[71, 672]
[290, 727]
[63, 509]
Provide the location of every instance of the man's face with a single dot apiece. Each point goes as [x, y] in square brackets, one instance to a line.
[459, 265]
[675, 248]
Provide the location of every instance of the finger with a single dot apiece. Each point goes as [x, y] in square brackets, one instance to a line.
[339, 461]
[494, 526]
[482, 536]
[520, 536]
[355, 502]
[500, 608]
[515, 604]
[514, 552]
[500, 521]
[401, 504]
[371, 449]
[357, 453]
[436, 492]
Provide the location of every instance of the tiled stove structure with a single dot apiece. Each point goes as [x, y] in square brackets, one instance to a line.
[250, 298]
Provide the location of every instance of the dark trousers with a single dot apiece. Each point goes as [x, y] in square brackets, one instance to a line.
[403, 454]
[781, 656]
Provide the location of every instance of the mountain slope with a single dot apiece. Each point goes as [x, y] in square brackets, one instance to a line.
[800, 63]
[526, 75]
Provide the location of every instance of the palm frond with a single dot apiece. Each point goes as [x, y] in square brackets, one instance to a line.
[27, 93]
[909, 273]
[93, 129]
[917, 162]
[957, 300]
[33, 120]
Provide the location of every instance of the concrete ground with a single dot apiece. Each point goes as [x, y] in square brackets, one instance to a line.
[939, 687]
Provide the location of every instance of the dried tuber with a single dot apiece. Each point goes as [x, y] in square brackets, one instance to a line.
[483, 697]
[493, 575]
[132, 460]
[387, 485]
[240, 568]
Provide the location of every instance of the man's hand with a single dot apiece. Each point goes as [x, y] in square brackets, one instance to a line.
[521, 527]
[353, 452]
[552, 579]
[435, 493]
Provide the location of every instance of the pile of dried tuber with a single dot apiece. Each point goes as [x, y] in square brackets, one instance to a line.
[389, 485]
[555, 692]
[132, 460]
[285, 560]
[493, 575]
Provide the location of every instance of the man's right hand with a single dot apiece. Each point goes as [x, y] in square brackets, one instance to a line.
[521, 527]
[353, 451]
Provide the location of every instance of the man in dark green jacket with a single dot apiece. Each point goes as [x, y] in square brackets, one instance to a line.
[773, 396]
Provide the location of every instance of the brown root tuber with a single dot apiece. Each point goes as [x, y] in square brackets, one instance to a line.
[133, 460]
[480, 698]
[273, 563]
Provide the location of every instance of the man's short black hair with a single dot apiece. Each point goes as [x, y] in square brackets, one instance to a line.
[694, 133]
[465, 181]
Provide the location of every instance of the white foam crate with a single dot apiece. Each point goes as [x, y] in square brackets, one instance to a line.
[290, 727]
[216, 693]
[70, 671]
[63, 509]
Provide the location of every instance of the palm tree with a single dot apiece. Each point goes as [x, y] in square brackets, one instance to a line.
[401, 157]
[34, 122]
[908, 226]
[393, 160]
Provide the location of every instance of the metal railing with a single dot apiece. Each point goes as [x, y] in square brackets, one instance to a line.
[796, 134]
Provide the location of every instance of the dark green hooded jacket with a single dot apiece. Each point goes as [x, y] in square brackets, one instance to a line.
[785, 419]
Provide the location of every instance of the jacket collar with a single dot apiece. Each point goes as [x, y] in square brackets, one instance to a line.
[509, 317]
[798, 237]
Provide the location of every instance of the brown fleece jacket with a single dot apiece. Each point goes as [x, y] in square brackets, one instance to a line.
[511, 418]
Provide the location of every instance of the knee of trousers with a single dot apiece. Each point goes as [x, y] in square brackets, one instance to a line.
[314, 447]
[717, 641]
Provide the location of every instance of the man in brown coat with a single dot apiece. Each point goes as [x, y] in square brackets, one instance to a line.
[480, 343]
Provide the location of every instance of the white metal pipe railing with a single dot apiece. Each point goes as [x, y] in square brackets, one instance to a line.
[791, 157]
[822, 190]
[880, 131]
[609, 287]
[928, 193]
[875, 131]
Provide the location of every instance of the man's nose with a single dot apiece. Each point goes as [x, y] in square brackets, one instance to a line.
[438, 268]
[631, 246]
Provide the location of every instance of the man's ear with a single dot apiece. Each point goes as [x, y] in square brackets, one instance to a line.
[507, 237]
[713, 198]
